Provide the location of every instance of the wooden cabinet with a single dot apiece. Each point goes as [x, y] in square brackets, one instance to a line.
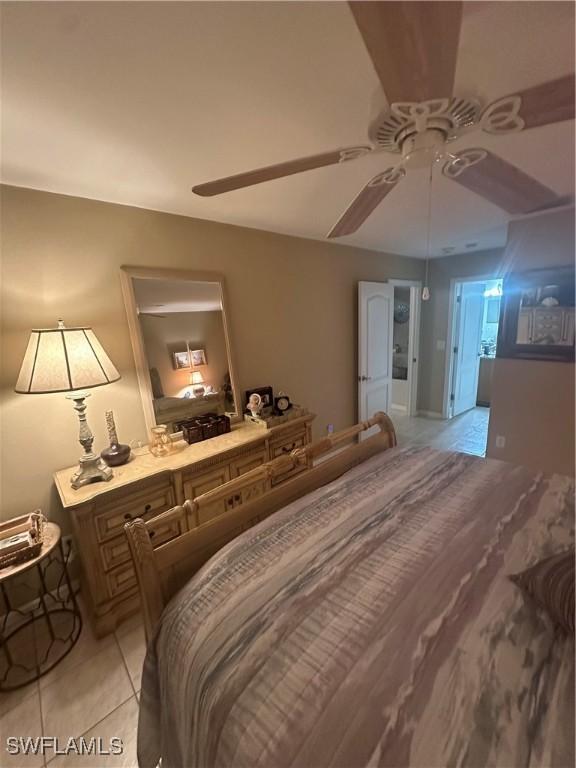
[147, 486]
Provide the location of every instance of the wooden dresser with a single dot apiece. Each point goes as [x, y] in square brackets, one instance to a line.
[147, 486]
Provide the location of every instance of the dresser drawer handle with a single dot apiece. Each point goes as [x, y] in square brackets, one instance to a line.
[152, 534]
[127, 516]
[148, 507]
[285, 448]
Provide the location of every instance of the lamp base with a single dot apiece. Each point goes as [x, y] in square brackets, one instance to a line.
[91, 470]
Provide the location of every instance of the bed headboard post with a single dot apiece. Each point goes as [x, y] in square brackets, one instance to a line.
[146, 573]
[385, 423]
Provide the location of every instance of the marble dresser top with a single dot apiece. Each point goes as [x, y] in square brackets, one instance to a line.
[144, 465]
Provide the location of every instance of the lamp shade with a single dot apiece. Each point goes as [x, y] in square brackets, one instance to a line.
[64, 359]
[196, 378]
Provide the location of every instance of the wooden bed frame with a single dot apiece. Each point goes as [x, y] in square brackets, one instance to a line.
[161, 572]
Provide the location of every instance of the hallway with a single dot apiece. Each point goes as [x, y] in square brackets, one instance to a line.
[466, 433]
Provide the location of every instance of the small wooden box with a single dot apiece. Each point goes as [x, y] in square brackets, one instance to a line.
[25, 523]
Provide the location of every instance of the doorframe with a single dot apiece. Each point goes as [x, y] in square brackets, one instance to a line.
[451, 335]
[413, 340]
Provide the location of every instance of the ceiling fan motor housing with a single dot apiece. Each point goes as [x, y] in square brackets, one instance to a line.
[407, 119]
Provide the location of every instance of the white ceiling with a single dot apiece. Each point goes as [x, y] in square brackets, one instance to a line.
[136, 102]
[168, 296]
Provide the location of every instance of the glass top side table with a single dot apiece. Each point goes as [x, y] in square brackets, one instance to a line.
[40, 621]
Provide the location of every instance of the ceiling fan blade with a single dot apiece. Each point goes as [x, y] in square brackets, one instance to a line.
[366, 202]
[500, 182]
[413, 46]
[280, 170]
[551, 102]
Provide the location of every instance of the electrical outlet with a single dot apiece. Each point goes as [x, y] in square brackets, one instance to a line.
[330, 428]
[68, 545]
[500, 441]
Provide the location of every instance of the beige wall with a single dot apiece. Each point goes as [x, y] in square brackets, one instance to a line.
[532, 401]
[434, 323]
[292, 309]
[201, 330]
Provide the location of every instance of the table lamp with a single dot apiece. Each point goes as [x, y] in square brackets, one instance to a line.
[197, 381]
[69, 360]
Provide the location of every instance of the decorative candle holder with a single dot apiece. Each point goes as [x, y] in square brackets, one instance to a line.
[161, 444]
[116, 454]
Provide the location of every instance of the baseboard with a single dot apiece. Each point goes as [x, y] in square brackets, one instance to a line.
[431, 414]
[399, 408]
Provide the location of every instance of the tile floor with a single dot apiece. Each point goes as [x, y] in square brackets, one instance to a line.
[467, 433]
[93, 691]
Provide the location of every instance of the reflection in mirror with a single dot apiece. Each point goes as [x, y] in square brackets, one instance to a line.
[182, 329]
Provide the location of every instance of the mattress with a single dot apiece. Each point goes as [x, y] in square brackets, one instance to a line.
[372, 623]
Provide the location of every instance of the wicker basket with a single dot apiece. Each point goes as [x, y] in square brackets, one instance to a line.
[34, 523]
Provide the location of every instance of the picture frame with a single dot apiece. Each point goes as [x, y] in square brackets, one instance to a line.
[537, 315]
[266, 393]
[198, 357]
[181, 360]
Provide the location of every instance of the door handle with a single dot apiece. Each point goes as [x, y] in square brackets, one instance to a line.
[364, 378]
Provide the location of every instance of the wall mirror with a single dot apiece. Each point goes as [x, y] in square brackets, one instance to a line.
[180, 337]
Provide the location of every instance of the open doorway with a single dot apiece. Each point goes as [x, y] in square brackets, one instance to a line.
[472, 335]
[405, 346]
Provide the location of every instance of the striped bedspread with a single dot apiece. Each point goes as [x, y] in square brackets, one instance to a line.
[372, 623]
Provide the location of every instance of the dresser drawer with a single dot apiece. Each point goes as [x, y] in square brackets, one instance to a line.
[196, 485]
[116, 551]
[239, 467]
[120, 579]
[285, 446]
[109, 522]
[246, 463]
[280, 448]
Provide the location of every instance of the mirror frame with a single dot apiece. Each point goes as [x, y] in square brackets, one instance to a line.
[127, 274]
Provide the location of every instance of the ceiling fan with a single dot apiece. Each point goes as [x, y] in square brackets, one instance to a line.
[413, 47]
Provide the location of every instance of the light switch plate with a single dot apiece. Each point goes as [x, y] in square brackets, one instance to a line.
[440, 345]
[500, 441]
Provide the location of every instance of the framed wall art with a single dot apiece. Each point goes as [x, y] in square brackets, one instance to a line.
[537, 315]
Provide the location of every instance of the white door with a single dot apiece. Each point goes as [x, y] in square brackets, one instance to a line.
[467, 354]
[375, 329]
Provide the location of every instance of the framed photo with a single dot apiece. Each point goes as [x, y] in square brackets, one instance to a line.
[181, 360]
[198, 357]
[265, 393]
[537, 315]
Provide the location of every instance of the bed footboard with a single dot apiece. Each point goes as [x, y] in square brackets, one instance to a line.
[162, 571]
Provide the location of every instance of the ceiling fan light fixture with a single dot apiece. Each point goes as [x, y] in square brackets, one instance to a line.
[420, 150]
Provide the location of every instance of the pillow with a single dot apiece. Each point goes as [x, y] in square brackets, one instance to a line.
[550, 583]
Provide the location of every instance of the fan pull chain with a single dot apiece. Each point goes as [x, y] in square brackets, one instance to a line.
[426, 289]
